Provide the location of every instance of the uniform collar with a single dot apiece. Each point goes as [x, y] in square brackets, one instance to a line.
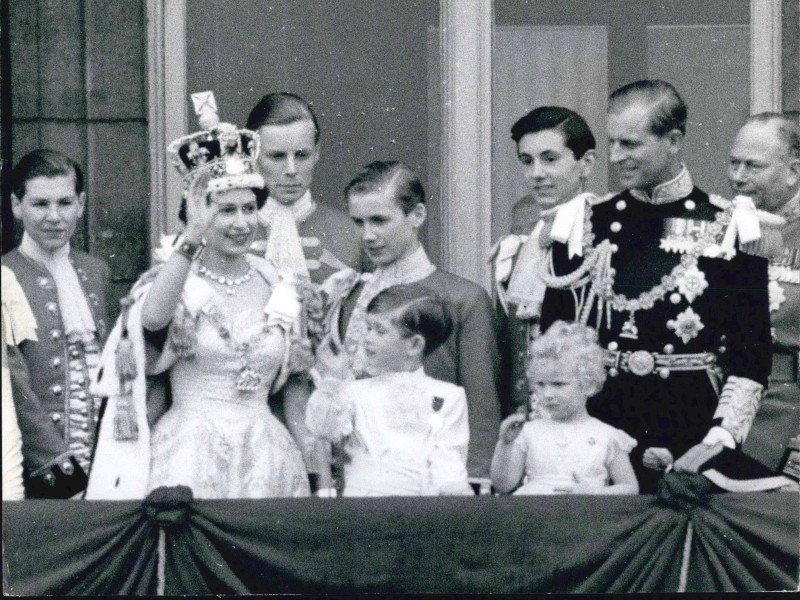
[673, 190]
[418, 373]
[413, 267]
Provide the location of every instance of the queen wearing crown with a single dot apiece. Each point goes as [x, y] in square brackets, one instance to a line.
[223, 324]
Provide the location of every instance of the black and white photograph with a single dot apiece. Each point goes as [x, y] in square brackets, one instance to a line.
[344, 297]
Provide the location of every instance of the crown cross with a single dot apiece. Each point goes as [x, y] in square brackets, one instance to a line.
[228, 153]
[197, 154]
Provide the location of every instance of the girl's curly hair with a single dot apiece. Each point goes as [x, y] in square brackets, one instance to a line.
[574, 343]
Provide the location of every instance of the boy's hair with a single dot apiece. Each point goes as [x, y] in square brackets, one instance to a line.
[577, 134]
[575, 342]
[282, 108]
[421, 311]
[377, 176]
[44, 163]
[667, 108]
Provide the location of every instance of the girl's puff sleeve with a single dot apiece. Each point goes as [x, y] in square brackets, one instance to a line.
[619, 442]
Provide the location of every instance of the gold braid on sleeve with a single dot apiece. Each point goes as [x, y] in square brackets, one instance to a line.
[738, 404]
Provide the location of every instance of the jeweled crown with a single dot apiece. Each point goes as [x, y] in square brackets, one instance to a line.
[228, 153]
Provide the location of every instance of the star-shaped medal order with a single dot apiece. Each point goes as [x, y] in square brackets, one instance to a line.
[692, 283]
[686, 325]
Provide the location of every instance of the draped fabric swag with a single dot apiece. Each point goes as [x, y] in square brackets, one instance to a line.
[740, 542]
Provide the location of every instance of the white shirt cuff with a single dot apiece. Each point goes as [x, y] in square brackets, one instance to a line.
[720, 434]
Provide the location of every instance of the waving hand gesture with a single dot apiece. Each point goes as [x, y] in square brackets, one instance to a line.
[200, 212]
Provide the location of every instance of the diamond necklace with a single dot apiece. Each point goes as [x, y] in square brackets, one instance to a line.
[231, 284]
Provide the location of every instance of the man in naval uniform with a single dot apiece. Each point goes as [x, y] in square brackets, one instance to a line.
[66, 291]
[765, 166]
[682, 314]
[387, 203]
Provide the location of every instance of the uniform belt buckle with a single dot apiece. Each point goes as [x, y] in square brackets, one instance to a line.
[641, 363]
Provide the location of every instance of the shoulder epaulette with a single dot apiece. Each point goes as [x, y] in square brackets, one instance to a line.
[769, 246]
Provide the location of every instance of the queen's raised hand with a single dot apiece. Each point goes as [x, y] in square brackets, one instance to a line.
[200, 207]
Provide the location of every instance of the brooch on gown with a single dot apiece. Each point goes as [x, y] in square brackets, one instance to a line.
[248, 380]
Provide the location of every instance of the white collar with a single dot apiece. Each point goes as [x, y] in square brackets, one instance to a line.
[418, 373]
[673, 190]
[412, 267]
[301, 209]
[75, 310]
[31, 249]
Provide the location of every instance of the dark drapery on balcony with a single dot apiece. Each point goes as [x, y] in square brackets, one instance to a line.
[736, 542]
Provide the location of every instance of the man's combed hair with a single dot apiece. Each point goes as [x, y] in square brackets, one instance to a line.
[667, 108]
[570, 342]
[788, 128]
[577, 135]
[44, 163]
[281, 108]
[382, 175]
[421, 312]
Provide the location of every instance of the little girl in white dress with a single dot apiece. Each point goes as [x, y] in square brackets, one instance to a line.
[405, 434]
[567, 451]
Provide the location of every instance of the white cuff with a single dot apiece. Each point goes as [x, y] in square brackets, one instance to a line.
[719, 434]
[738, 404]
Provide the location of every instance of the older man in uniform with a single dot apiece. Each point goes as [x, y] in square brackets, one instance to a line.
[66, 290]
[765, 165]
[682, 314]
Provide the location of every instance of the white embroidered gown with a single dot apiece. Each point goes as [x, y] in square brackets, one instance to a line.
[216, 439]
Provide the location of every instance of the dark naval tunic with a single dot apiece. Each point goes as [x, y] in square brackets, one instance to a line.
[666, 407]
